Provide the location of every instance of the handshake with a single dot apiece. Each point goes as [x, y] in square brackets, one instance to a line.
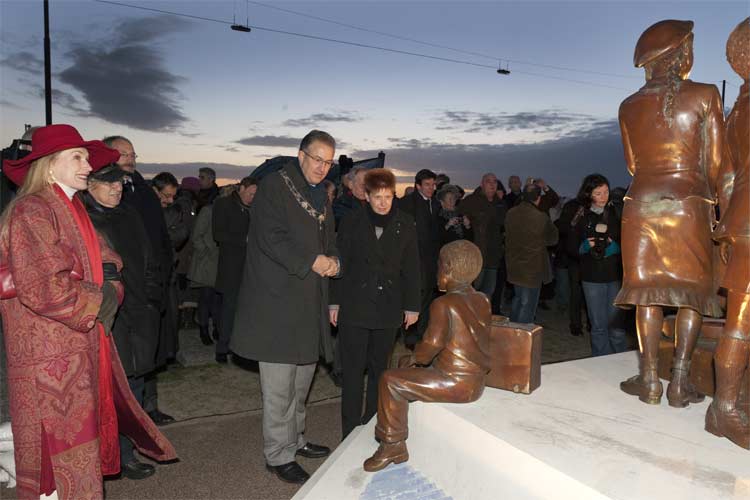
[325, 266]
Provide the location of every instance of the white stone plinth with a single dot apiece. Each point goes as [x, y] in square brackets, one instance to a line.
[576, 437]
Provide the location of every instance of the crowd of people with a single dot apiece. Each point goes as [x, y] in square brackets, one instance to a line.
[271, 266]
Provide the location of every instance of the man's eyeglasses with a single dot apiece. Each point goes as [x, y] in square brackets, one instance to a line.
[318, 160]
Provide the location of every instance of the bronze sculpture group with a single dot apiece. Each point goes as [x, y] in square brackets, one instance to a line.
[683, 157]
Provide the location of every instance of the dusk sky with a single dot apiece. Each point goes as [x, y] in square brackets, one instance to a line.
[189, 91]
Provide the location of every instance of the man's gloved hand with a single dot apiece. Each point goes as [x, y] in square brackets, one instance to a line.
[109, 306]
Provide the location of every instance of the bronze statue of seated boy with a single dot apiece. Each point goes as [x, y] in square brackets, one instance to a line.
[449, 365]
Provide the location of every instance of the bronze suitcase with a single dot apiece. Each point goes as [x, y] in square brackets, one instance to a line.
[516, 356]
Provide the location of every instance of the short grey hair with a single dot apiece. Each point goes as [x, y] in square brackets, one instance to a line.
[351, 174]
[110, 139]
[449, 189]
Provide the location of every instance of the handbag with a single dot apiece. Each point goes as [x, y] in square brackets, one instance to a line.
[8, 287]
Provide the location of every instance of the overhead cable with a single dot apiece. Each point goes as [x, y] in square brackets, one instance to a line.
[439, 46]
[357, 44]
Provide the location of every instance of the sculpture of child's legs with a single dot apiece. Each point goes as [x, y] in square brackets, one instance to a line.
[396, 389]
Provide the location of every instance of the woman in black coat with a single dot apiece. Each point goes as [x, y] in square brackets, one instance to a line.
[594, 240]
[379, 291]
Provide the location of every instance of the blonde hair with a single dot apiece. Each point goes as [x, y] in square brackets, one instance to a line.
[37, 179]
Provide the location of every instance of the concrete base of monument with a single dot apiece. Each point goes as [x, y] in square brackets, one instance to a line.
[576, 437]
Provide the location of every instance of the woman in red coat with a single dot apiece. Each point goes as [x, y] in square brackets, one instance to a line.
[68, 392]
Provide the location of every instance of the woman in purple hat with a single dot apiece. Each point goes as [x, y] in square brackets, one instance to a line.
[59, 284]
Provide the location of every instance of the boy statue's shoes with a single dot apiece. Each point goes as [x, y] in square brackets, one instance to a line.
[291, 472]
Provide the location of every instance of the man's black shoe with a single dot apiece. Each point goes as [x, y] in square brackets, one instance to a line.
[160, 418]
[337, 379]
[222, 358]
[291, 472]
[137, 470]
[314, 451]
[205, 337]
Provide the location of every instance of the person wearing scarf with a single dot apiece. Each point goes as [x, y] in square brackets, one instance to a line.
[61, 287]
[379, 292]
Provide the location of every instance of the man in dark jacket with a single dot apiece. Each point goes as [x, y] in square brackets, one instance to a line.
[424, 208]
[231, 222]
[483, 208]
[136, 326]
[209, 190]
[282, 306]
[137, 194]
[528, 233]
[353, 199]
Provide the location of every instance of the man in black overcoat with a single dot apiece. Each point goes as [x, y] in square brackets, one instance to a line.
[424, 208]
[282, 307]
[139, 195]
[230, 224]
[136, 326]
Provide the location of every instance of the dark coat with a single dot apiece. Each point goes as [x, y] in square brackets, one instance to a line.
[528, 233]
[282, 307]
[607, 269]
[428, 235]
[139, 195]
[563, 259]
[231, 221]
[486, 224]
[454, 232]
[206, 197]
[136, 327]
[344, 204]
[381, 278]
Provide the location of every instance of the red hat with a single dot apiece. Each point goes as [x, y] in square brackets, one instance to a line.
[53, 138]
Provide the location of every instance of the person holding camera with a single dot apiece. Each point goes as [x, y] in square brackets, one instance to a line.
[594, 239]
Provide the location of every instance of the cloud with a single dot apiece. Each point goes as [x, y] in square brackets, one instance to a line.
[4, 103]
[548, 120]
[125, 81]
[148, 29]
[25, 62]
[180, 170]
[317, 118]
[562, 162]
[127, 85]
[274, 141]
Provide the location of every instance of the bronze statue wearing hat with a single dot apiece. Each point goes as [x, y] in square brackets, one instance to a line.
[724, 418]
[453, 355]
[672, 133]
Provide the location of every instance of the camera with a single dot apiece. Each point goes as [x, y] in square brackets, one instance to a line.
[599, 235]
